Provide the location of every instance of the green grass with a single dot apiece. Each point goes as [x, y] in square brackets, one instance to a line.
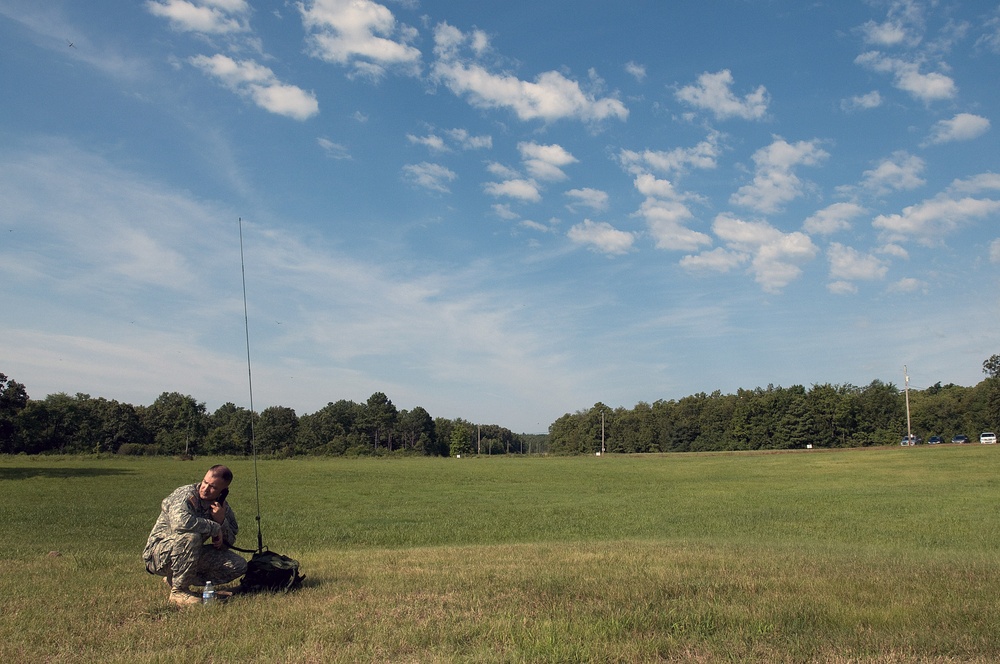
[828, 556]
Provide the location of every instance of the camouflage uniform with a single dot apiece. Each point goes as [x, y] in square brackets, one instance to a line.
[176, 547]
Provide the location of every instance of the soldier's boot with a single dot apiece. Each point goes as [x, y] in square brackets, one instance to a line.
[182, 598]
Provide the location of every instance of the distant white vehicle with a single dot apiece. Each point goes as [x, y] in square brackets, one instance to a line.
[988, 438]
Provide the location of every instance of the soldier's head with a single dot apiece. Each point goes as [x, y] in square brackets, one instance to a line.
[217, 480]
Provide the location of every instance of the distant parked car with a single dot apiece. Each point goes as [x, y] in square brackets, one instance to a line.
[988, 438]
[934, 440]
[960, 439]
[909, 440]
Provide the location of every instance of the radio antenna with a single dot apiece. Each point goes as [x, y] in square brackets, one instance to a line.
[253, 440]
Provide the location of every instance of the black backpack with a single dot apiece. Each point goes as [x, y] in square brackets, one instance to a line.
[272, 572]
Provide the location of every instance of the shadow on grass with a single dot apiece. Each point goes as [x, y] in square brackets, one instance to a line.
[25, 473]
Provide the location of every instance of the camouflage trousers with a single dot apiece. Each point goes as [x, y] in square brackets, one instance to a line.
[187, 561]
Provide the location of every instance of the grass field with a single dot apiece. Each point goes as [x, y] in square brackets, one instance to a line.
[885, 555]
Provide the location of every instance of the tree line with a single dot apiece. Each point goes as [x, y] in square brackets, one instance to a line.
[178, 424]
[763, 418]
[784, 418]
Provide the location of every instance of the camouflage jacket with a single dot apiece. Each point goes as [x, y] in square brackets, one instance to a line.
[183, 511]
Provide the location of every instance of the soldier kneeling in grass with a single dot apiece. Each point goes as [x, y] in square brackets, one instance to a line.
[177, 549]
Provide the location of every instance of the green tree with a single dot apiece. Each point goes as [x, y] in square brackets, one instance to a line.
[378, 419]
[416, 431]
[275, 431]
[13, 399]
[331, 429]
[177, 423]
[991, 367]
[460, 441]
[230, 430]
[881, 414]
[117, 424]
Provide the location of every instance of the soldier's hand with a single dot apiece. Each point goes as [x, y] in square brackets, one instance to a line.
[218, 512]
[217, 541]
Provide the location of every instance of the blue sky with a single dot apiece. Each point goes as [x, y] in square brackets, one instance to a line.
[501, 211]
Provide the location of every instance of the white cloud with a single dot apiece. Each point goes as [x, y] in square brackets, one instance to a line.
[930, 221]
[602, 237]
[503, 211]
[535, 226]
[776, 255]
[774, 183]
[651, 186]
[595, 199]
[502, 171]
[545, 162]
[832, 219]
[359, 33]
[977, 183]
[848, 264]
[899, 172]
[666, 214]
[907, 77]
[712, 93]
[862, 102]
[467, 141]
[962, 127]
[250, 79]
[665, 220]
[907, 285]
[717, 260]
[521, 189]
[206, 16]
[704, 155]
[894, 250]
[888, 33]
[550, 97]
[333, 150]
[637, 71]
[990, 39]
[433, 177]
[432, 142]
[842, 288]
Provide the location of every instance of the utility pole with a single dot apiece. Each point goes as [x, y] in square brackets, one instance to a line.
[602, 432]
[906, 392]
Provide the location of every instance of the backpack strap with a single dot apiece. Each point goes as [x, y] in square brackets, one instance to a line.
[236, 548]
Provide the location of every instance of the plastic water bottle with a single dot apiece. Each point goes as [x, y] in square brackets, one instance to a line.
[208, 594]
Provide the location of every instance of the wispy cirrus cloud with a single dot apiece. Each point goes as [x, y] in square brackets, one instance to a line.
[433, 177]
